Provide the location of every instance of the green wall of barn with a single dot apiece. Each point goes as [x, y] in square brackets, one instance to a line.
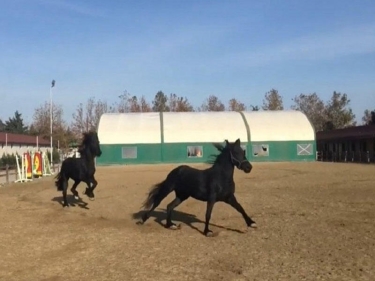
[177, 152]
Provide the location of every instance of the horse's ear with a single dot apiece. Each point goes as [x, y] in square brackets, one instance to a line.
[226, 142]
[238, 142]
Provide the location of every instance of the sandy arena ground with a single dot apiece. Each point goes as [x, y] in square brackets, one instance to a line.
[316, 221]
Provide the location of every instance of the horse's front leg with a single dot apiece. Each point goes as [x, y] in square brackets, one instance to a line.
[90, 189]
[210, 206]
[231, 200]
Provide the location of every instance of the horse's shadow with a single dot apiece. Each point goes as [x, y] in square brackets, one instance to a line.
[72, 201]
[179, 216]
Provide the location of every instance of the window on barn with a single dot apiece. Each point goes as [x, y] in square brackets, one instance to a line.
[304, 149]
[129, 152]
[261, 150]
[244, 149]
[194, 151]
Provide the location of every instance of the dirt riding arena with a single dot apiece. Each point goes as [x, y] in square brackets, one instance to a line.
[316, 221]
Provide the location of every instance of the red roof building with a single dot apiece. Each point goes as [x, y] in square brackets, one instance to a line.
[18, 139]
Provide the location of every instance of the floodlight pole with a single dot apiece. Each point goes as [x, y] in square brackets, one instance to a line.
[50, 115]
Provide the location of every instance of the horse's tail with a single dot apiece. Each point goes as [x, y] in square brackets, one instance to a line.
[161, 190]
[60, 179]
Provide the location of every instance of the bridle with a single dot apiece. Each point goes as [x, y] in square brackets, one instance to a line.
[239, 163]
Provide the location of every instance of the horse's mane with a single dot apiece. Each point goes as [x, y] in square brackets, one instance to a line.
[86, 140]
[213, 158]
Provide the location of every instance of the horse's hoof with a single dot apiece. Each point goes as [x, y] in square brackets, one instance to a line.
[76, 197]
[174, 227]
[139, 222]
[209, 234]
[92, 198]
[66, 205]
[253, 225]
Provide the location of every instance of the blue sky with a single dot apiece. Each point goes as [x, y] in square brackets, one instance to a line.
[194, 48]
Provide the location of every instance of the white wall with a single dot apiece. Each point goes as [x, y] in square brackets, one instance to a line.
[20, 149]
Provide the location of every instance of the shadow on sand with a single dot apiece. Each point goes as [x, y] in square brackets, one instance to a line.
[72, 201]
[182, 217]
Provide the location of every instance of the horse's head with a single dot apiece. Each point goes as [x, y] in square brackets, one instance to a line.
[238, 156]
[91, 142]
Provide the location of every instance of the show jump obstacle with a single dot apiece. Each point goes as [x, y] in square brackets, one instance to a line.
[32, 165]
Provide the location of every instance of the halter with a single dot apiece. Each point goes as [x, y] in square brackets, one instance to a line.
[239, 163]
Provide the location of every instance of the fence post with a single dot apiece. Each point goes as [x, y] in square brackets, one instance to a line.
[368, 156]
[7, 174]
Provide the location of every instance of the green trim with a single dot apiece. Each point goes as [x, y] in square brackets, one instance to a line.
[246, 125]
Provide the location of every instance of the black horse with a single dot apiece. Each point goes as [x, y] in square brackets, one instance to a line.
[210, 185]
[80, 169]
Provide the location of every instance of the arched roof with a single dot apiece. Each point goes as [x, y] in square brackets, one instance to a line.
[178, 127]
[283, 125]
[203, 127]
[116, 128]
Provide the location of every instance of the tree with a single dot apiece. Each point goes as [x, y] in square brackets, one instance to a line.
[2, 126]
[212, 103]
[235, 105]
[15, 124]
[368, 117]
[313, 107]
[254, 108]
[145, 106]
[338, 112]
[133, 104]
[87, 118]
[123, 106]
[179, 104]
[41, 123]
[273, 101]
[159, 104]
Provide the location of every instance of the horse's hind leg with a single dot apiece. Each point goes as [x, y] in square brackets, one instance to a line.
[73, 189]
[177, 201]
[147, 214]
[64, 192]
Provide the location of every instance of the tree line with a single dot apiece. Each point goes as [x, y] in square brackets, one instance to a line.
[334, 113]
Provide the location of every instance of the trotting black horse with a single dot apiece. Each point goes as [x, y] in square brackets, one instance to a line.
[210, 185]
[80, 169]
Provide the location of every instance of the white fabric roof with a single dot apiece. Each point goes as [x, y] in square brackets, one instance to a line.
[284, 125]
[203, 127]
[117, 128]
[132, 128]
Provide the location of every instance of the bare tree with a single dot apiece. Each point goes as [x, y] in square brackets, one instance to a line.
[87, 117]
[41, 124]
[313, 107]
[145, 106]
[212, 104]
[235, 105]
[273, 101]
[179, 104]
